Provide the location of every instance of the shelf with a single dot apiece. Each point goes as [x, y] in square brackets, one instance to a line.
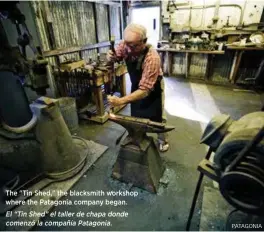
[245, 48]
[68, 50]
[190, 51]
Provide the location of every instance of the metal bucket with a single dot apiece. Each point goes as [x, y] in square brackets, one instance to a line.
[69, 113]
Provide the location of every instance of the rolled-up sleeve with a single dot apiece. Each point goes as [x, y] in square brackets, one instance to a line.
[151, 71]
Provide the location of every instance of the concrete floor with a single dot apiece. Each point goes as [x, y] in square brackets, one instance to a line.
[168, 210]
[189, 106]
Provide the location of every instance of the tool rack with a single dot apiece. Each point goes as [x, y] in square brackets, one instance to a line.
[90, 85]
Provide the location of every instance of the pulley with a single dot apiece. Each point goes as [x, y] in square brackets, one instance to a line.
[238, 161]
[238, 164]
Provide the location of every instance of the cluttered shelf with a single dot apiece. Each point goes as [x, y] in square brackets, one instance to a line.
[189, 51]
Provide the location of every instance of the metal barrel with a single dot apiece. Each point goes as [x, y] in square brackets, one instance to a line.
[69, 113]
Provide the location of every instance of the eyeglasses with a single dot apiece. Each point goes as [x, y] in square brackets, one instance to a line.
[133, 46]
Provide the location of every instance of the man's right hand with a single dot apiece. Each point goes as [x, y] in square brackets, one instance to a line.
[110, 56]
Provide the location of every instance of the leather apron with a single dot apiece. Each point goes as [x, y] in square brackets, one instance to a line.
[149, 107]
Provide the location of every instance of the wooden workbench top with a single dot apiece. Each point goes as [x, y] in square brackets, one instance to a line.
[189, 51]
[245, 48]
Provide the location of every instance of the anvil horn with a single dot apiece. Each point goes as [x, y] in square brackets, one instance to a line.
[139, 124]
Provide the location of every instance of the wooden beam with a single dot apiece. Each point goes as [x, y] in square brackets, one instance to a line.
[170, 62]
[111, 3]
[47, 20]
[246, 48]
[187, 64]
[190, 51]
[63, 51]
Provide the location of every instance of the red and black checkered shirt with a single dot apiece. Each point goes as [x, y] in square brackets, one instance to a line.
[151, 66]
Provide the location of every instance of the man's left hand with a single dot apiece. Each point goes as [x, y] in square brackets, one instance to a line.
[115, 101]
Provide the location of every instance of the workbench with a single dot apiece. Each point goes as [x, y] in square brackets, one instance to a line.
[239, 51]
[101, 79]
[169, 51]
[89, 85]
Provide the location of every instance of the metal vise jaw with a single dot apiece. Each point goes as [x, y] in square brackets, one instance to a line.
[138, 161]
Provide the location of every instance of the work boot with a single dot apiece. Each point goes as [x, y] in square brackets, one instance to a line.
[163, 147]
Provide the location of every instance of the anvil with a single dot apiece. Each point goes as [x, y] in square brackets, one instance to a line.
[138, 161]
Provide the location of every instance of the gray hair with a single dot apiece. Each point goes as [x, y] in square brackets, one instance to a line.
[137, 28]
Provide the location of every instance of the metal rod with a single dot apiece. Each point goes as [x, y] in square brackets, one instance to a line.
[121, 19]
[109, 22]
[213, 6]
[196, 193]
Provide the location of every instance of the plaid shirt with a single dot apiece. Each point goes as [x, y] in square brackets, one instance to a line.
[151, 66]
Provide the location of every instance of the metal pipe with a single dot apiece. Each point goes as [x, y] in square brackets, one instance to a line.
[196, 194]
[212, 6]
[122, 19]
[216, 12]
[209, 6]
[243, 12]
[190, 16]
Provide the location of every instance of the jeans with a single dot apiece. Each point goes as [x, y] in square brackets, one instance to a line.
[163, 137]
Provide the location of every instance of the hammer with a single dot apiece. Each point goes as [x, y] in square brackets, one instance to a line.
[112, 47]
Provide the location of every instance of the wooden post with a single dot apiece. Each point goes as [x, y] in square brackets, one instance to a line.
[187, 64]
[99, 100]
[209, 66]
[235, 66]
[123, 85]
[80, 55]
[47, 20]
[169, 57]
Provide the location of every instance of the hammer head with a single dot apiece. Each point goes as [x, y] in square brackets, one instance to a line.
[139, 124]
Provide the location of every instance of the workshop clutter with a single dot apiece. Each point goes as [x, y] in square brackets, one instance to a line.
[89, 84]
[192, 42]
